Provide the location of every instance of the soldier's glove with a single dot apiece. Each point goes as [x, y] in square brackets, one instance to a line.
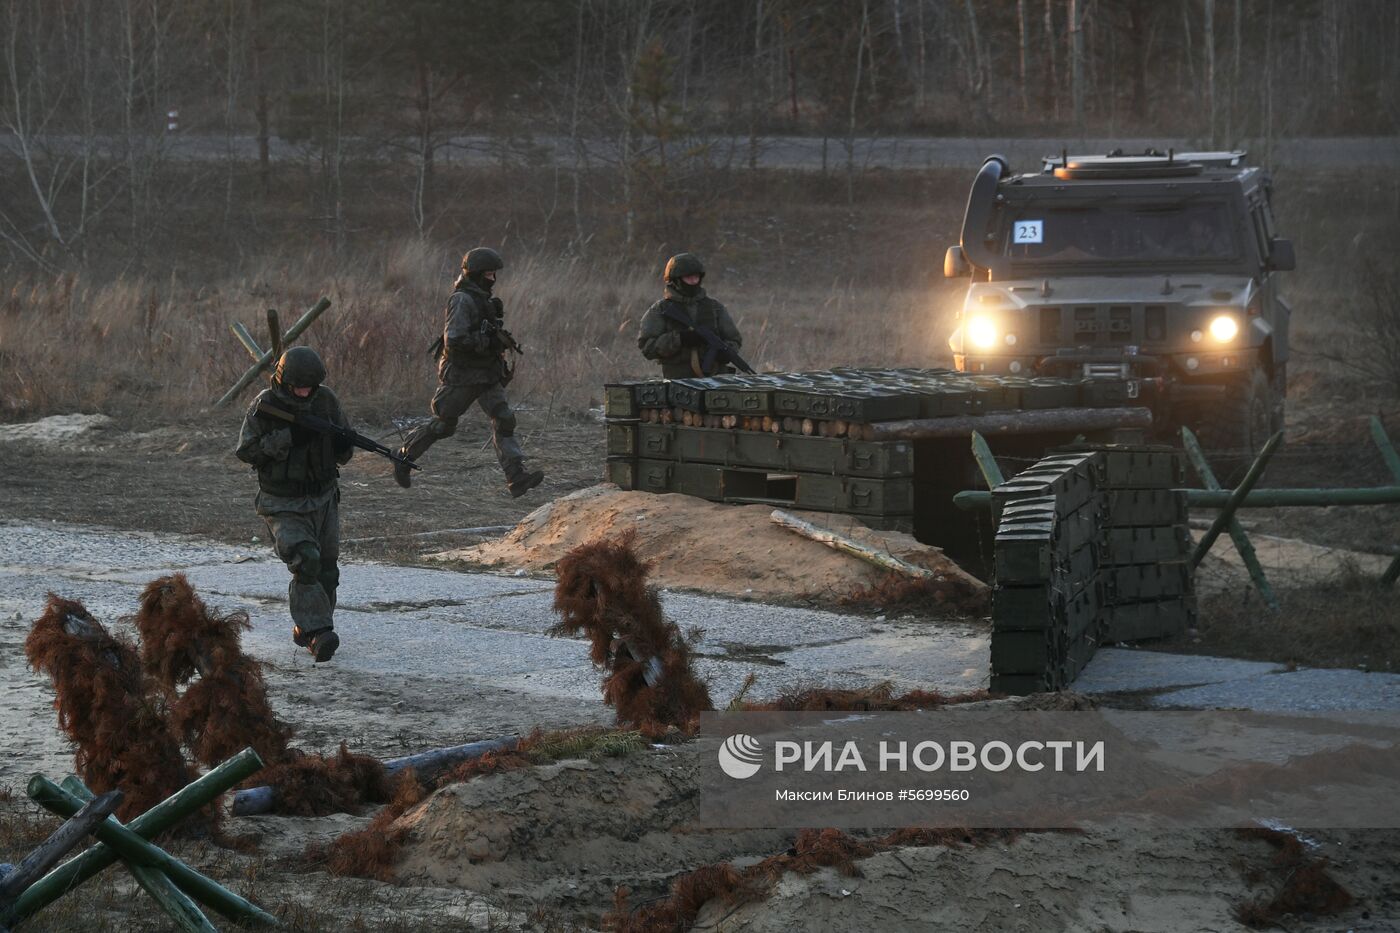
[277, 444]
[499, 307]
[691, 338]
[668, 344]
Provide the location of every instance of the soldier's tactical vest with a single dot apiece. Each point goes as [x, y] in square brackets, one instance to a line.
[310, 468]
[704, 311]
[467, 358]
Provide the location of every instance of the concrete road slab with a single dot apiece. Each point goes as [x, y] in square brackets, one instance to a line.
[1294, 691]
[1115, 670]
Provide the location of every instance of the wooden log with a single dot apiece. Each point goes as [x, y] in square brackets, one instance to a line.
[293, 332]
[867, 432]
[865, 552]
[1045, 421]
[668, 416]
[245, 338]
[198, 793]
[274, 332]
[1227, 511]
[1243, 545]
[792, 425]
[37, 863]
[809, 427]
[839, 428]
[987, 463]
[167, 879]
[775, 426]
[970, 499]
[253, 801]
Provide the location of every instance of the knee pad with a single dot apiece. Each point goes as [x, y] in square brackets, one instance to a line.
[329, 577]
[505, 424]
[442, 427]
[306, 564]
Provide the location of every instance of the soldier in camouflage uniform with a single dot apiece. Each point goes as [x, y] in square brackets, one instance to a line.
[298, 495]
[472, 368]
[680, 350]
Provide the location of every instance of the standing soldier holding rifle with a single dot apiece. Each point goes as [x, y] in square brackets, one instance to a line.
[472, 367]
[296, 436]
[688, 332]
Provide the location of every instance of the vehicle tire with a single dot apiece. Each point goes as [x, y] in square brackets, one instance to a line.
[1234, 430]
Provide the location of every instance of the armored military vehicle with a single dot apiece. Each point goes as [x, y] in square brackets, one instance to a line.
[1155, 268]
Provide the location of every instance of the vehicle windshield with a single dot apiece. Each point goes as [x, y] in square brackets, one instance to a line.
[1177, 232]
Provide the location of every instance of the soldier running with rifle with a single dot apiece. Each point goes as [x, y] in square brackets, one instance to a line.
[688, 332]
[296, 436]
[472, 367]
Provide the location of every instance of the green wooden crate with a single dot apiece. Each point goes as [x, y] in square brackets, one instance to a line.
[652, 394]
[1152, 544]
[947, 401]
[622, 438]
[1019, 685]
[689, 394]
[1138, 582]
[1047, 605]
[1127, 466]
[1030, 558]
[1152, 619]
[790, 452]
[1023, 652]
[1144, 507]
[853, 403]
[1048, 392]
[622, 472]
[620, 400]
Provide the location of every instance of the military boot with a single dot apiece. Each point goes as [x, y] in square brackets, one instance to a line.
[520, 481]
[402, 474]
[323, 644]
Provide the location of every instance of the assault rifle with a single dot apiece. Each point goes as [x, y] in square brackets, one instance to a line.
[500, 337]
[716, 349]
[347, 435]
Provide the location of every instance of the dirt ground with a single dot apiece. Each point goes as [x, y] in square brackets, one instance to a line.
[545, 849]
[182, 477]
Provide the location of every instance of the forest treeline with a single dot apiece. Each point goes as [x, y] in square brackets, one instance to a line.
[87, 86]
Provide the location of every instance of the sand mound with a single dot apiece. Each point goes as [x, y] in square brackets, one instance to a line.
[570, 831]
[690, 543]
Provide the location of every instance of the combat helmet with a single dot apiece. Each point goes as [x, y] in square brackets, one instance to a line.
[482, 259]
[681, 265]
[300, 367]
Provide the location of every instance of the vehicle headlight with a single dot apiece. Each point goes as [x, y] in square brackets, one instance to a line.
[1224, 328]
[982, 332]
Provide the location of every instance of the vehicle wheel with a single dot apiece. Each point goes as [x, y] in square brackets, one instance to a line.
[1233, 431]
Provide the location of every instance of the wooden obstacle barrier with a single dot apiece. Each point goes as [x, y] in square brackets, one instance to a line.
[173, 885]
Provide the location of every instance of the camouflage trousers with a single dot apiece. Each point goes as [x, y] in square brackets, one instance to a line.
[306, 537]
[450, 402]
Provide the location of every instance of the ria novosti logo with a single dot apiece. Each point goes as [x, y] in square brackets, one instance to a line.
[740, 756]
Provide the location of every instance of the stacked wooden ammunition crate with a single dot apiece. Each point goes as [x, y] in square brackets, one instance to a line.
[1091, 547]
[806, 440]
[1046, 600]
[1148, 587]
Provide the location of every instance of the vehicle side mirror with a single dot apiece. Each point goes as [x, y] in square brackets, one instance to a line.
[1281, 256]
[955, 264]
